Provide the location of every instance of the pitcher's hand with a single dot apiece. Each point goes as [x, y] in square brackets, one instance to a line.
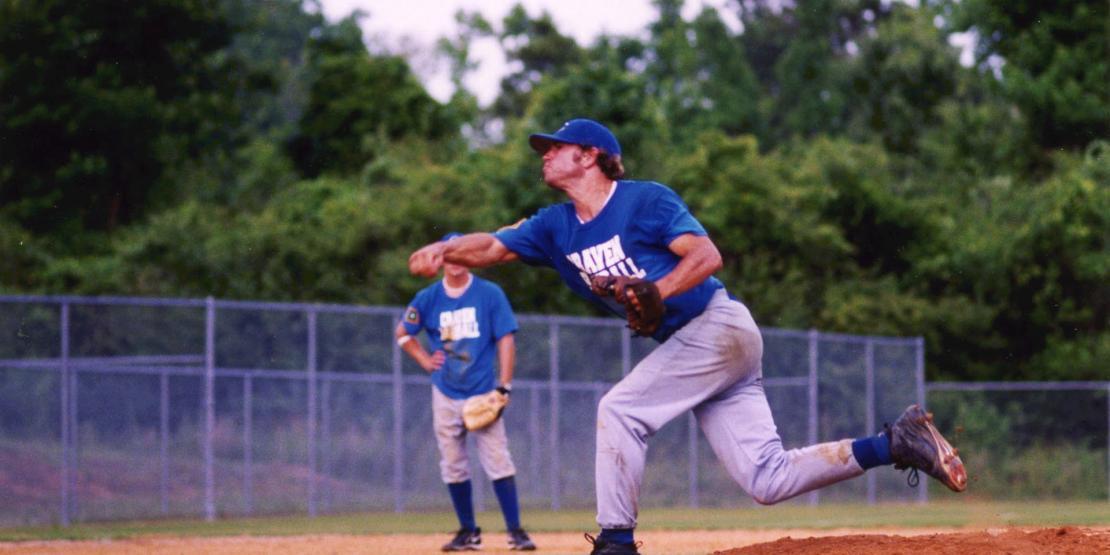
[427, 261]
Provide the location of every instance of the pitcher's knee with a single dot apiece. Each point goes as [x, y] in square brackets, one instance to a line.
[769, 494]
[609, 412]
[613, 415]
[770, 482]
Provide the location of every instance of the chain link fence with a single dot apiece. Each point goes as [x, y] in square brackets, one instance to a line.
[124, 408]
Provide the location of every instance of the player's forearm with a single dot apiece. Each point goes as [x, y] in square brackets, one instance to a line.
[698, 262]
[418, 354]
[476, 250]
[506, 358]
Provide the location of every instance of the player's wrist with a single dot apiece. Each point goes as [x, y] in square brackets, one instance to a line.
[505, 388]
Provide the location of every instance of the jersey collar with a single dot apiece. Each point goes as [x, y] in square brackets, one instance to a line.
[456, 292]
[612, 191]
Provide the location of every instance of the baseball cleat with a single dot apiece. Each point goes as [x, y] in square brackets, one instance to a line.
[915, 443]
[519, 541]
[605, 547]
[465, 540]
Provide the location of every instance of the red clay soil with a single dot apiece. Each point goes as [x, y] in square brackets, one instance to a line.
[1064, 540]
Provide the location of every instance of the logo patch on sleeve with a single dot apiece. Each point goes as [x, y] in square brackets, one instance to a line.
[412, 316]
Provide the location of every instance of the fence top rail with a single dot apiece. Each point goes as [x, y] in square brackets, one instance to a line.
[1017, 386]
[397, 311]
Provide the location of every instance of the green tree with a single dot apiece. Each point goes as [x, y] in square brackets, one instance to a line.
[98, 102]
[1055, 62]
[540, 50]
[900, 76]
[700, 74]
[357, 102]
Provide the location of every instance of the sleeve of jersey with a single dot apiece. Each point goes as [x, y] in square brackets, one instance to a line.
[526, 239]
[503, 319]
[413, 318]
[670, 218]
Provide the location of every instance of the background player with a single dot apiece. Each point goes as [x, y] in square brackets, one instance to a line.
[710, 357]
[467, 319]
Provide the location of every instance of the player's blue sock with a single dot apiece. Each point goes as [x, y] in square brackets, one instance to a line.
[505, 488]
[464, 506]
[872, 451]
[617, 535]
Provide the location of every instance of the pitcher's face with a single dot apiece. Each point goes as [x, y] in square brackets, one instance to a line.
[562, 163]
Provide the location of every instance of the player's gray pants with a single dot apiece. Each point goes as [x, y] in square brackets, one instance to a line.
[712, 366]
[493, 443]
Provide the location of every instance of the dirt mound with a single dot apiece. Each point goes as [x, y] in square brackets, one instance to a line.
[1043, 540]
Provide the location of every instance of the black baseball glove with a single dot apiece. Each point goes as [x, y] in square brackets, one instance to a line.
[643, 306]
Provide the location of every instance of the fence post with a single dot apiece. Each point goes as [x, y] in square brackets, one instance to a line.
[811, 437]
[209, 408]
[248, 444]
[692, 448]
[534, 434]
[325, 441]
[311, 431]
[869, 395]
[164, 439]
[65, 383]
[398, 431]
[553, 437]
[919, 369]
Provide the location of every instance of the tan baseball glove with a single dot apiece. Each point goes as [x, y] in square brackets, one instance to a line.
[642, 302]
[482, 410]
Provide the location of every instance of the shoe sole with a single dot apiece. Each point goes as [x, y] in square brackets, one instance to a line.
[466, 548]
[948, 458]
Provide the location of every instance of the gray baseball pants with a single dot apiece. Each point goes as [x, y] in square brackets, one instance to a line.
[713, 366]
[492, 442]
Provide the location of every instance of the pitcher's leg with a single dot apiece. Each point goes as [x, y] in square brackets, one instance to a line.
[674, 378]
[742, 433]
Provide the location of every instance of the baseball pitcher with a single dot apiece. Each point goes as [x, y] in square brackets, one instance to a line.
[634, 248]
[468, 322]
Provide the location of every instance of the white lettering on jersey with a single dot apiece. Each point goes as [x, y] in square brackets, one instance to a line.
[605, 259]
[458, 324]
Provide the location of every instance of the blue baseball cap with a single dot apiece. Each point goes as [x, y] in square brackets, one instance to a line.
[585, 132]
[450, 235]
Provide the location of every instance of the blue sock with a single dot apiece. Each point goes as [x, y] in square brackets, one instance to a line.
[464, 506]
[617, 535]
[505, 488]
[872, 451]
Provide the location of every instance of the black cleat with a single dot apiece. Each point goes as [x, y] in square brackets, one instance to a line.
[605, 547]
[915, 443]
[519, 540]
[465, 540]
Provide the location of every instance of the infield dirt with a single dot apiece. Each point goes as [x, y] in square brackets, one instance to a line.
[917, 541]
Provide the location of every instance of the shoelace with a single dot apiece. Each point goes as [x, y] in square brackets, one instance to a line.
[461, 536]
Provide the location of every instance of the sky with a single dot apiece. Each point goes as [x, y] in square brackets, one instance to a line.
[411, 27]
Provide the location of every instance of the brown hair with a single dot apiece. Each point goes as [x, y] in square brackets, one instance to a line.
[610, 165]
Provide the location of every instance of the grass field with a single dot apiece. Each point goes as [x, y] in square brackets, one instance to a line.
[937, 514]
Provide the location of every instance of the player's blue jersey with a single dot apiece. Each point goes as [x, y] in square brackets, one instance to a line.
[628, 237]
[469, 327]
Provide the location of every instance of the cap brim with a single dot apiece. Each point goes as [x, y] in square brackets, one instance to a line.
[540, 142]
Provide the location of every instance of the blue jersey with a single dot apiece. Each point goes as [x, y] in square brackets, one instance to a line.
[469, 327]
[628, 237]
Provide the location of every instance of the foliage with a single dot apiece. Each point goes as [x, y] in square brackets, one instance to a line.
[357, 103]
[99, 103]
[1053, 62]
